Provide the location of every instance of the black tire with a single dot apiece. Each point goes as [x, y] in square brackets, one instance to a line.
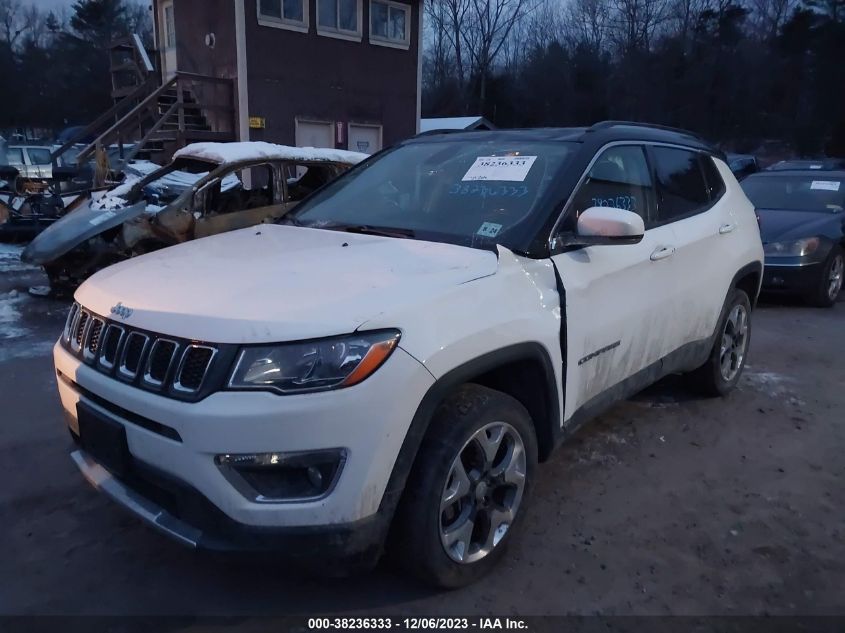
[822, 296]
[709, 379]
[416, 535]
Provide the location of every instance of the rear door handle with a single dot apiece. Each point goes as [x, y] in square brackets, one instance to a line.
[662, 253]
[726, 228]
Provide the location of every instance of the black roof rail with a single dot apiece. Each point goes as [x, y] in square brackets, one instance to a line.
[446, 130]
[601, 125]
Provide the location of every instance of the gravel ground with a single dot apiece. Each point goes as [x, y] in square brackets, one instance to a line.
[668, 504]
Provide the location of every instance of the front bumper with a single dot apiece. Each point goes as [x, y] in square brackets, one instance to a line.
[173, 446]
[183, 514]
[795, 277]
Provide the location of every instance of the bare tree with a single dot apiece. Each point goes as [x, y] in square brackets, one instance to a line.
[448, 19]
[15, 20]
[489, 26]
[769, 15]
[586, 23]
[635, 22]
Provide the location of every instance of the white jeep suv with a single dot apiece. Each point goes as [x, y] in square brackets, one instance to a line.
[385, 367]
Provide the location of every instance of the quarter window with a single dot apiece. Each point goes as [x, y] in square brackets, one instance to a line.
[286, 14]
[619, 178]
[681, 188]
[390, 23]
[715, 184]
[339, 18]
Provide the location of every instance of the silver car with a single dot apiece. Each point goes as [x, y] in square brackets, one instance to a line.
[32, 161]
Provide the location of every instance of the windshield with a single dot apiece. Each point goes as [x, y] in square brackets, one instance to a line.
[468, 192]
[801, 193]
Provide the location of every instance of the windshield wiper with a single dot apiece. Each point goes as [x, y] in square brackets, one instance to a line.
[367, 229]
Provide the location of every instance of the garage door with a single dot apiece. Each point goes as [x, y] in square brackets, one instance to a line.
[364, 138]
[314, 133]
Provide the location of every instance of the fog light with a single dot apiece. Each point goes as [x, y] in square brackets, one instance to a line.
[279, 477]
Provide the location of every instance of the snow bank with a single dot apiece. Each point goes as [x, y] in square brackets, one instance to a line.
[10, 259]
[10, 317]
[251, 150]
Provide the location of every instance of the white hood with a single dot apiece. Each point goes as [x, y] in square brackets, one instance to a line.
[274, 283]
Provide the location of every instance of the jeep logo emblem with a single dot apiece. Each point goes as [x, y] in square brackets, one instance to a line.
[121, 311]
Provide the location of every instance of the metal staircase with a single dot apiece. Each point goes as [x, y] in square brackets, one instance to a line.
[151, 119]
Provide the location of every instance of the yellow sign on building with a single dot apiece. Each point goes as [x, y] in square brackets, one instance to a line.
[257, 122]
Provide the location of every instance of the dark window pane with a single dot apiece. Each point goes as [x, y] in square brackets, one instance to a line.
[271, 8]
[327, 13]
[15, 156]
[348, 15]
[681, 186]
[397, 24]
[293, 10]
[378, 19]
[38, 156]
[715, 184]
[619, 179]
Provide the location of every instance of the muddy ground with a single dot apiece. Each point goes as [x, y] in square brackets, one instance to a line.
[669, 504]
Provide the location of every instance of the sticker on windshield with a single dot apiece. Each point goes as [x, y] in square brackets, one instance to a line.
[489, 229]
[511, 168]
[825, 185]
[105, 215]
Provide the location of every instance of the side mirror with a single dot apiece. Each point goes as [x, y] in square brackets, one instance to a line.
[603, 226]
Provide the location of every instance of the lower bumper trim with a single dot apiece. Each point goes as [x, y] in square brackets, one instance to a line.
[143, 508]
[176, 510]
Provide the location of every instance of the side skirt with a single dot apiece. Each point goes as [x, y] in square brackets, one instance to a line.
[685, 358]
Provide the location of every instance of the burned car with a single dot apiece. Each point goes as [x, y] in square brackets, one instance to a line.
[208, 188]
[24, 214]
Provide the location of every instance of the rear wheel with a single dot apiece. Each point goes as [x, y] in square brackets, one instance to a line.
[467, 493]
[829, 284]
[722, 371]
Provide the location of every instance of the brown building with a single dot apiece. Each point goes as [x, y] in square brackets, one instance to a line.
[325, 73]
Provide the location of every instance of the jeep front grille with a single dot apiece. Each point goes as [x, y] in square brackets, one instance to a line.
[174, 367]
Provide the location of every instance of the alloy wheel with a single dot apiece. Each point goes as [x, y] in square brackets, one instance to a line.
[734, 342]
[483, 492]
[834, 279]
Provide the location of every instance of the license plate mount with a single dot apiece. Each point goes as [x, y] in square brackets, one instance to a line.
[104, 439]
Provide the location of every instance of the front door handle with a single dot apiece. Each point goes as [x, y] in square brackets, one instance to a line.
[726, 228]
[662, 253]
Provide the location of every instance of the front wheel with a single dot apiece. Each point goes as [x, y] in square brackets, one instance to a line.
[467, 492]
[721, 373]
[829, 284]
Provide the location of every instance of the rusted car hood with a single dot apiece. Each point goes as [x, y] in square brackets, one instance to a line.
[74, 228]
[279, 283]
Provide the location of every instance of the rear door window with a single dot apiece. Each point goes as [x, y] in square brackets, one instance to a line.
[38, 156]
[681, 188]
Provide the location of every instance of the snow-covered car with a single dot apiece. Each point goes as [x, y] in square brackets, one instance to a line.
[207, 188]
[397, 354]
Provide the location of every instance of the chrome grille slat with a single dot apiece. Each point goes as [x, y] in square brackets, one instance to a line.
[92, 338]
[129, 348]
[179, 382]
[158, 353]
[177, 368]
[110, 346]
[78, 329]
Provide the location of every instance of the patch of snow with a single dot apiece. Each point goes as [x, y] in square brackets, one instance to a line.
[770, 383]
[10, 317]
[251, 150]
[10, 259]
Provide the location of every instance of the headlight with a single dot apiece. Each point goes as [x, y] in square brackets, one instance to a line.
[798, 248]
[318, 365]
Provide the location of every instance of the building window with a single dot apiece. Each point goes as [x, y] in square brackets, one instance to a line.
[169, 27]
[390, 23]
[339, 18]
[284, 14]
